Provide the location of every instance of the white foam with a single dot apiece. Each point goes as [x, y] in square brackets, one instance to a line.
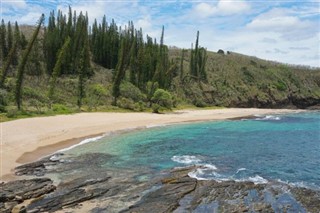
[155, 125]
[88, 140]
[241, 169]
[210, 166]
[267, 117]
[186, 159]
[197, 174]
[258, 180]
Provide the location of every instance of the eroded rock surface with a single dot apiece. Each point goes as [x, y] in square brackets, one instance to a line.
[125, 190]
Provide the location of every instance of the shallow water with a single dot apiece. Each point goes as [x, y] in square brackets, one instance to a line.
[274, 147]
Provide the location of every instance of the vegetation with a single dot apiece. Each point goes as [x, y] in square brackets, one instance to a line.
[69, 66]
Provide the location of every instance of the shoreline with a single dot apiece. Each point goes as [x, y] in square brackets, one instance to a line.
[27, 140]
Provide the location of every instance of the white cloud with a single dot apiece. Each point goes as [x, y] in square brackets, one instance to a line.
[285, 22]
[223, 8]
[17, 4]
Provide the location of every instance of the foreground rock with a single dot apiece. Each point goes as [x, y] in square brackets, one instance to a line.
[110, 190]
[15, 192]
[180, 193]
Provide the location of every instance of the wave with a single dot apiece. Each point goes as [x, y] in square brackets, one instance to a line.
[155, 125]
[258, 180]
[267, 118]
[300, 184]
[241, 169]
[186, 159]
[88, 140]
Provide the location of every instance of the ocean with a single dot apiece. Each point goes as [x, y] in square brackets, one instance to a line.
[264, 148]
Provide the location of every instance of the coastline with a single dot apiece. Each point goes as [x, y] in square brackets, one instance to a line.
[27, 140]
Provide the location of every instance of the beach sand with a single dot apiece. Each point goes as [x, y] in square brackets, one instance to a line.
[28, 140]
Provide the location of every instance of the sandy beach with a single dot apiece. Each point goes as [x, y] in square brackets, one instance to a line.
[27, 140]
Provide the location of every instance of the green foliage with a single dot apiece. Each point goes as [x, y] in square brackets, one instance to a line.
[97, 95]
[8, 62]
[57, 68]
[140, 106]
[281, 86]
[130, 91]
[126, 103]
[23, 63]
[3, 100]
[61, 109]
[162, 98]
[198, 60]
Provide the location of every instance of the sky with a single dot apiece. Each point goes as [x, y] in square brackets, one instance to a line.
[286, 31]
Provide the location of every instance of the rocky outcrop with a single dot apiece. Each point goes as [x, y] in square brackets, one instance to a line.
[180, 193]
[114, 190]
[15, 192]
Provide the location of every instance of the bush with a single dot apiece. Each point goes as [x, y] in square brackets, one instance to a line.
[130, 91]
[281, 86]
[126, 103]
[140, 106]
[61, 109]
[162, 98]
[156, 108]
[3, 100]
[97, 95]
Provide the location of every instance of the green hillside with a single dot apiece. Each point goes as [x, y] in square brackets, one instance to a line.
[70, 69]
[236, 80]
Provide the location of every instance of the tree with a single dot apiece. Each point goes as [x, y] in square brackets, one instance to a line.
[120, 70]
[198, 61]
[181, 64]
[22, 64]
[17, 41]
[10, 36]
[57, 68]
[3, 40]
[8, 62]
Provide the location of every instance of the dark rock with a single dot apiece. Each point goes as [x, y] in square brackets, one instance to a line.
[166, 199]
[15, 192]
[310, 199]
[70, 193]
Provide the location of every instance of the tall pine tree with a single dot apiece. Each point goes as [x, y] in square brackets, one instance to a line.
[19, 82]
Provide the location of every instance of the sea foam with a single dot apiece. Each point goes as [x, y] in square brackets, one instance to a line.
[267, 118]
[186, 159]
[88, 140]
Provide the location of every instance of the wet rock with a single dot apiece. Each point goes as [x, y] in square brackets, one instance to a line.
[166, 199]
[39, 168]
[180, 193]
[310, 199]
[15, 192]
[69, 194]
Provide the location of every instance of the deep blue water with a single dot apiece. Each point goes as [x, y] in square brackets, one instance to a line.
[279, 147]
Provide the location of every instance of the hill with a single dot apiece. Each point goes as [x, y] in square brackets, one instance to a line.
[70, 69]
[236, 80]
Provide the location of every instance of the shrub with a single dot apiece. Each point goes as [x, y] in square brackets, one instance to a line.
[281, 86]
[3, 100]
[163, 98]
[126, 103]
[156, 108]
[97, 95]
[140, 106]
[61, 109]
[130, 91]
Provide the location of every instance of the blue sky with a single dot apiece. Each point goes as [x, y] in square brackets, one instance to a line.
[282, 30]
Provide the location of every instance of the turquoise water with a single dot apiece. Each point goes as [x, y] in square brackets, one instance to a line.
[278, 147]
